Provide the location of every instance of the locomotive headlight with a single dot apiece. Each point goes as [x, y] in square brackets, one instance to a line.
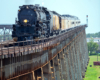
[25, 21]
[27, 7]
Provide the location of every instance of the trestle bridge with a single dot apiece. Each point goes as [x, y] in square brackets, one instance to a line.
[64, 57]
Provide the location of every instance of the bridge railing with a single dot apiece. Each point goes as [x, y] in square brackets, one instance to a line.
[28, 46]
[5, 32]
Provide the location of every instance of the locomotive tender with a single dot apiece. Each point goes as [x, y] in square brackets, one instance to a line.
[35, 22]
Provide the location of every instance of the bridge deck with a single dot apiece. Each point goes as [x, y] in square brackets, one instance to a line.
[11, 51]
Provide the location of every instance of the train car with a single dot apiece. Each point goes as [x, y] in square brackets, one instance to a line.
[36, 22]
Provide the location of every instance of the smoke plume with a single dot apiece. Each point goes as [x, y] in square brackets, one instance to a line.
[42, 2]
[29, 1]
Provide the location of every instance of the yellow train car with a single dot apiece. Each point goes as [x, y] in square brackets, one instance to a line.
[64, 24]
[69, 22]
[72, 21]
[56, 25]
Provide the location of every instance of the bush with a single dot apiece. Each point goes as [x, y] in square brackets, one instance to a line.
[98, 54]
[93, 53]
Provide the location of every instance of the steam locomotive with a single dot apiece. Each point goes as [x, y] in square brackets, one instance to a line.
[36, 22]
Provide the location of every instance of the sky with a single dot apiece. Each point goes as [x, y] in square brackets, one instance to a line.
[79, 8]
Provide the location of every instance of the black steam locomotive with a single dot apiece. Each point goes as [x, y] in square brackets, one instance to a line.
[35, 22]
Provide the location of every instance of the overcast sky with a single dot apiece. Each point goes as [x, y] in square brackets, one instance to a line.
[79, 8]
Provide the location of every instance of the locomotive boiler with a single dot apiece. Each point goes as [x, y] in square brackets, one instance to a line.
[36, 22]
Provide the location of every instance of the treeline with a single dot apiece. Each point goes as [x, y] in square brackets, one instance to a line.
[94, 35]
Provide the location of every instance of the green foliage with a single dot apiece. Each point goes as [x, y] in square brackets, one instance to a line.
[92, 53]
[93, 35]
[98, 54]
[92, 46]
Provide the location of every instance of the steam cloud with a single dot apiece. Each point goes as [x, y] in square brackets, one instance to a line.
[29, 1]
[42, 2]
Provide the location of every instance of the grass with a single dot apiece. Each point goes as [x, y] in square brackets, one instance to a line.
[93, 72]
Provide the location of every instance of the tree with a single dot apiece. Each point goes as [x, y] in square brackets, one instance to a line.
[92, 46]
[93, 35]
